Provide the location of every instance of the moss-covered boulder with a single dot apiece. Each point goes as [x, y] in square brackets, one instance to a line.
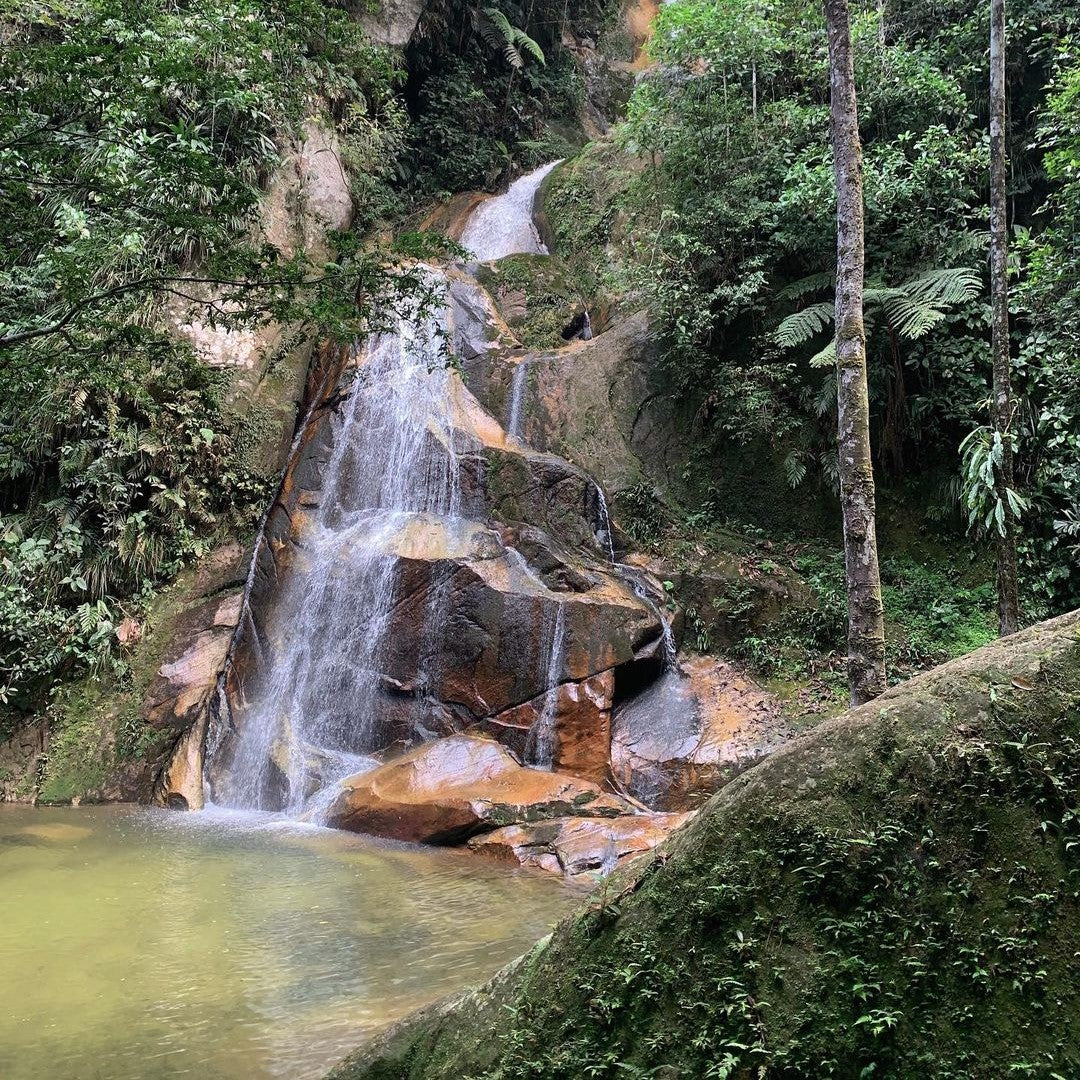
[896, 894]
[109, 738]
[536, 296]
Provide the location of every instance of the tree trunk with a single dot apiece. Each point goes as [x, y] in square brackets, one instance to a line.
[1008, 591]
[866, 630]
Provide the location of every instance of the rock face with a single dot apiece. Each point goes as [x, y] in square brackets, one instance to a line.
[578, 846]
[390, 22]
[596, 403]
[307, 195]
[21, 755]
[450, 789]
[435, 589]
[927, 838]
[691, 732]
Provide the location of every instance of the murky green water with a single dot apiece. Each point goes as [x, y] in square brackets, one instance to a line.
[142, 944]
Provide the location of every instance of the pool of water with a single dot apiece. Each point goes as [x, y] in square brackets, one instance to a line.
[138, 943]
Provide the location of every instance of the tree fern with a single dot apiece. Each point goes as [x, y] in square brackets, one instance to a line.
[497, 30]
[912, 308]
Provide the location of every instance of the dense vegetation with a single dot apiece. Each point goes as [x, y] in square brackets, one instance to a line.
[719, 210]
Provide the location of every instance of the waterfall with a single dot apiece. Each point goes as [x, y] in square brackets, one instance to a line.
[540, 748]
[314, 704]
[392, 468]
[504, 225]
[667, 642]
[605, 523]
[517, 395]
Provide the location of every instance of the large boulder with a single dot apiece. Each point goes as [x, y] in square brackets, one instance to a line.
[689, 733]
[450, 789]
[598, 403]
[505, 617]
[892, 894]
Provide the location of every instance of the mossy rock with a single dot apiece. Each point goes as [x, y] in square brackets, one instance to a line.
[896, 894]
[536, 296]
[579, 213]
[108, 735]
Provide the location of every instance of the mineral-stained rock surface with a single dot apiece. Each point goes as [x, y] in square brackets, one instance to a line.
[689, 733]
[449, 789]
[578, 845]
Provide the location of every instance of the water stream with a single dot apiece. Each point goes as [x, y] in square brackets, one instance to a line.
[540, 748]
[148, 945]
[311, 720]
[517, 399]
[504, 225]
[311, 711]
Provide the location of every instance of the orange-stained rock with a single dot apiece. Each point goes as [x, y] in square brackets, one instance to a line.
[450, 789]
[691, 732]
[578, 845]
[581, 721]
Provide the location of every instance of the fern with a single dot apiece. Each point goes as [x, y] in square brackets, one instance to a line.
[799, 327]
[497, 30]
[920, 303]
[912, 308]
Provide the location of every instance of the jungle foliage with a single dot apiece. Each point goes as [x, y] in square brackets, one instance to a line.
[135, 141]
[723, 222]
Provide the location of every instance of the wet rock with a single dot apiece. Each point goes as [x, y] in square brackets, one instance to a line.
[180, 696]
[691, 732]
[20, 758]
[579, 713]
[574, 846]
[596, 403]
[448, 790]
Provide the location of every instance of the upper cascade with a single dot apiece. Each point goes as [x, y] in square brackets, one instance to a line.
[504, 225]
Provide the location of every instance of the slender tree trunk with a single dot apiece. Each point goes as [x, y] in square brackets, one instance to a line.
[866, 629]
[1008, 590]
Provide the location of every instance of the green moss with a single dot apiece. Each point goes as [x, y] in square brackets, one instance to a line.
[96, 725]
[81, 745]
[896, 895]
[536, 295]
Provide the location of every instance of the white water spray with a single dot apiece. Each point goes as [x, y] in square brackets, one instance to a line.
[504, 225]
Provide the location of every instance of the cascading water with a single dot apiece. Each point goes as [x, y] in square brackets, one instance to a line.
[670, 651]
[540, 748]
[504, 225]
[605, 523]
[392, 467]
[311, 717]
[517, 399]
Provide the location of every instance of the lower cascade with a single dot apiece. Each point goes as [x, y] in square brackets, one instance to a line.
[392, 471]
